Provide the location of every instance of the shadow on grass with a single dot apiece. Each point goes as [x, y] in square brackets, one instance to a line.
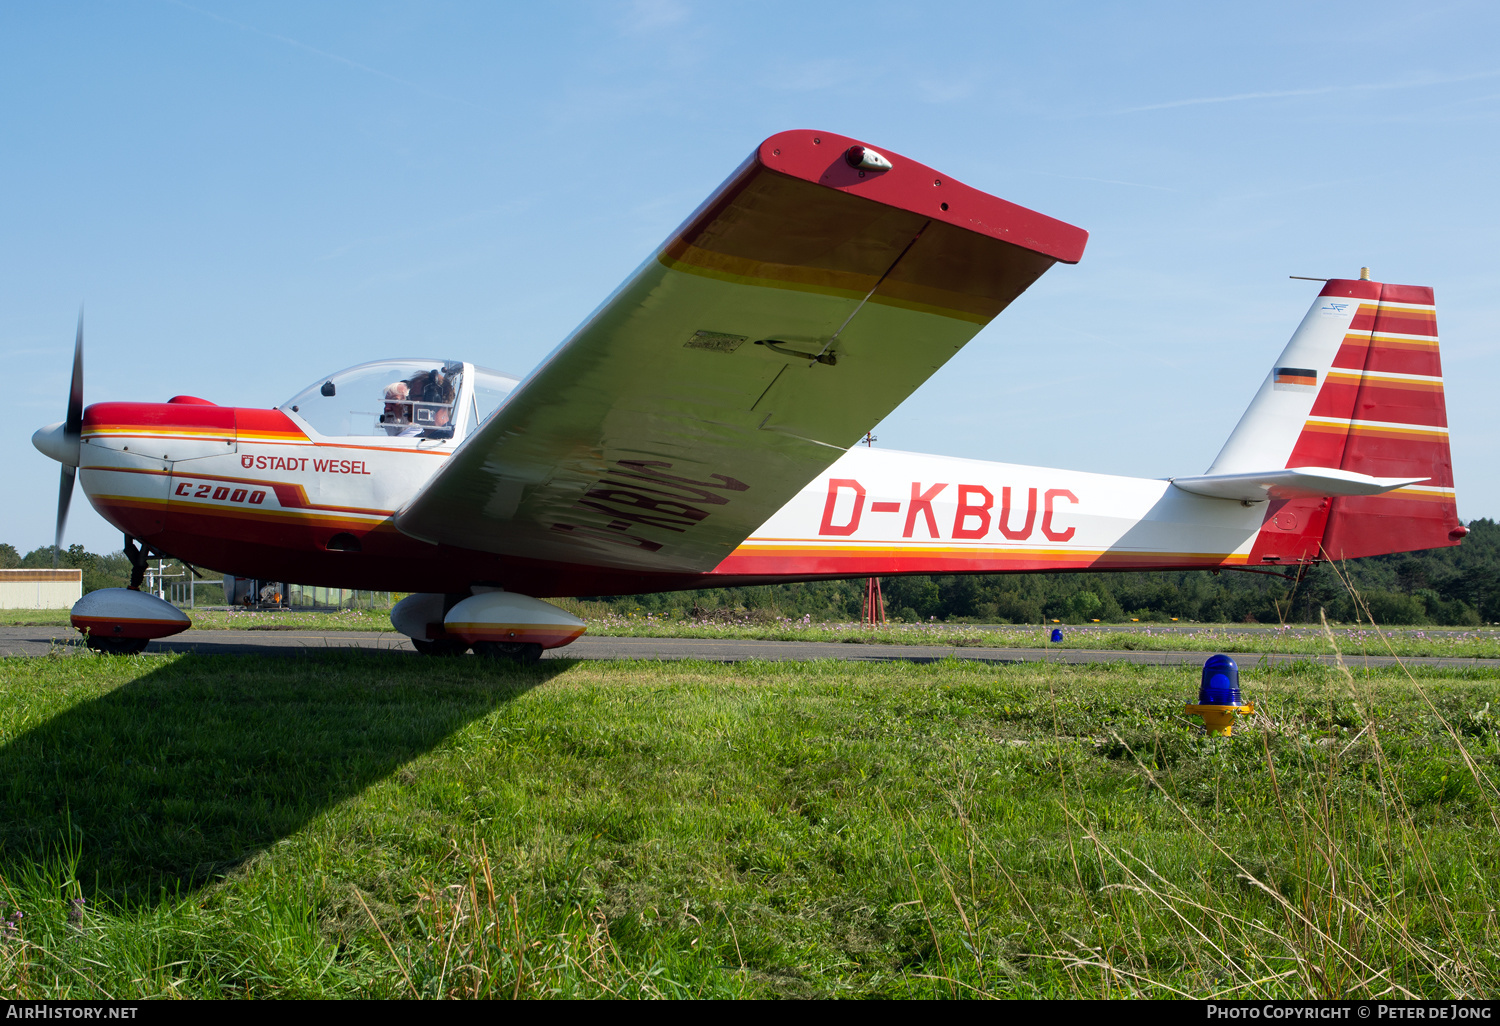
[166, 782]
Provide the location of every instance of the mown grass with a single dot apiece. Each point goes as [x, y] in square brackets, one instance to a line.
[1290, 640]
[373, 824]
[1451, 642]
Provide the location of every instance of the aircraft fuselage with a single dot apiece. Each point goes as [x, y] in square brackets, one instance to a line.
[253, 493]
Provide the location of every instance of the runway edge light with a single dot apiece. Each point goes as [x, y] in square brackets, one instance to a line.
[1219, 696]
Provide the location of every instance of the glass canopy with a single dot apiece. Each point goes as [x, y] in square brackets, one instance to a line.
[408, 398]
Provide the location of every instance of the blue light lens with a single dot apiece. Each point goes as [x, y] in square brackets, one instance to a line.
[1221, 682]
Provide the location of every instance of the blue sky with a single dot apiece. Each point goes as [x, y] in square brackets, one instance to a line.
[249, 196]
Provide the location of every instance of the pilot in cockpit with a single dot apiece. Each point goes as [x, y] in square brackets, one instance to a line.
[397, 416]
[433, 393]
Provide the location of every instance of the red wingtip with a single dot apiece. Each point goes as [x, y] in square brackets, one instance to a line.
[820, 157]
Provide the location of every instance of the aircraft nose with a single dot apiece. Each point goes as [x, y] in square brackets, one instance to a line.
[52, 441]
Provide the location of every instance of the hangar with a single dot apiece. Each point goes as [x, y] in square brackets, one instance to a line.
[40, 589]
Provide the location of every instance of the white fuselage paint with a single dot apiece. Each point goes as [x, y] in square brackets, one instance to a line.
[1073, 512]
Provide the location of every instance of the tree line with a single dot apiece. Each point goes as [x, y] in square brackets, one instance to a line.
[1458, 585]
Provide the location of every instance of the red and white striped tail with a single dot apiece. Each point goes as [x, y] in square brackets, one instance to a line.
[1358, 389]
[1380, 412]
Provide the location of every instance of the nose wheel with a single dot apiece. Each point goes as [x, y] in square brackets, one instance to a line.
[441, 647]
[524, 654]
[117, 646]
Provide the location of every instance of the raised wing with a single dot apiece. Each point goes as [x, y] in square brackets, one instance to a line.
[812, 293]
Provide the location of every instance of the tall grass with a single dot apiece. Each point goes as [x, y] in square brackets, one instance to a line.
[367, 824]
[1353, 902]
[476, 939]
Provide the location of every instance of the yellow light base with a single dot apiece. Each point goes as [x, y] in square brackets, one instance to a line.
[1218, 719]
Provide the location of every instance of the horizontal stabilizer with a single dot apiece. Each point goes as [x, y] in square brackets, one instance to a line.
[1291, 483]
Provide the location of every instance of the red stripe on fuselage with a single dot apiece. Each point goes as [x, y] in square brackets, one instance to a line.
[805, 562]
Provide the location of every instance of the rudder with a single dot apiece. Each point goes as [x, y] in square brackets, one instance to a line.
[1381, 412]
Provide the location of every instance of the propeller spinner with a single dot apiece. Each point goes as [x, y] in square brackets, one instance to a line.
[61, 441]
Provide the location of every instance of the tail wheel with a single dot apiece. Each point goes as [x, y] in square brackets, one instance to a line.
[441, 647]
[117, 646]
[517, 652]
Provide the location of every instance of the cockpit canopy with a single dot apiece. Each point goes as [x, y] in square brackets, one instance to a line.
[408, 399]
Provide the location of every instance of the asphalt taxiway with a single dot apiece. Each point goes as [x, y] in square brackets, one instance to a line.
[40, 641]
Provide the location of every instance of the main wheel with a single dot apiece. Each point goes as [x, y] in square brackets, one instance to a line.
[440, 647]
[117, 646]
[526, 654]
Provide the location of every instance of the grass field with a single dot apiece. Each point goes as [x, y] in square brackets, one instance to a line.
[1300, 639]
[372, 824]
[1293, 640]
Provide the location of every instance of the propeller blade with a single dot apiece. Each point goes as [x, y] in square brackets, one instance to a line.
[64, 499]
[73, 425]
[72, 432]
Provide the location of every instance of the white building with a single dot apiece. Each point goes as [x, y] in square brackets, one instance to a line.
[40, 589]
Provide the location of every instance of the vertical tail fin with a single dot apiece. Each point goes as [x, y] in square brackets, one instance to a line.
[1360, 388]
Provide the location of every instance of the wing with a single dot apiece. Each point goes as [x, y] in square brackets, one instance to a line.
[812, 293]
